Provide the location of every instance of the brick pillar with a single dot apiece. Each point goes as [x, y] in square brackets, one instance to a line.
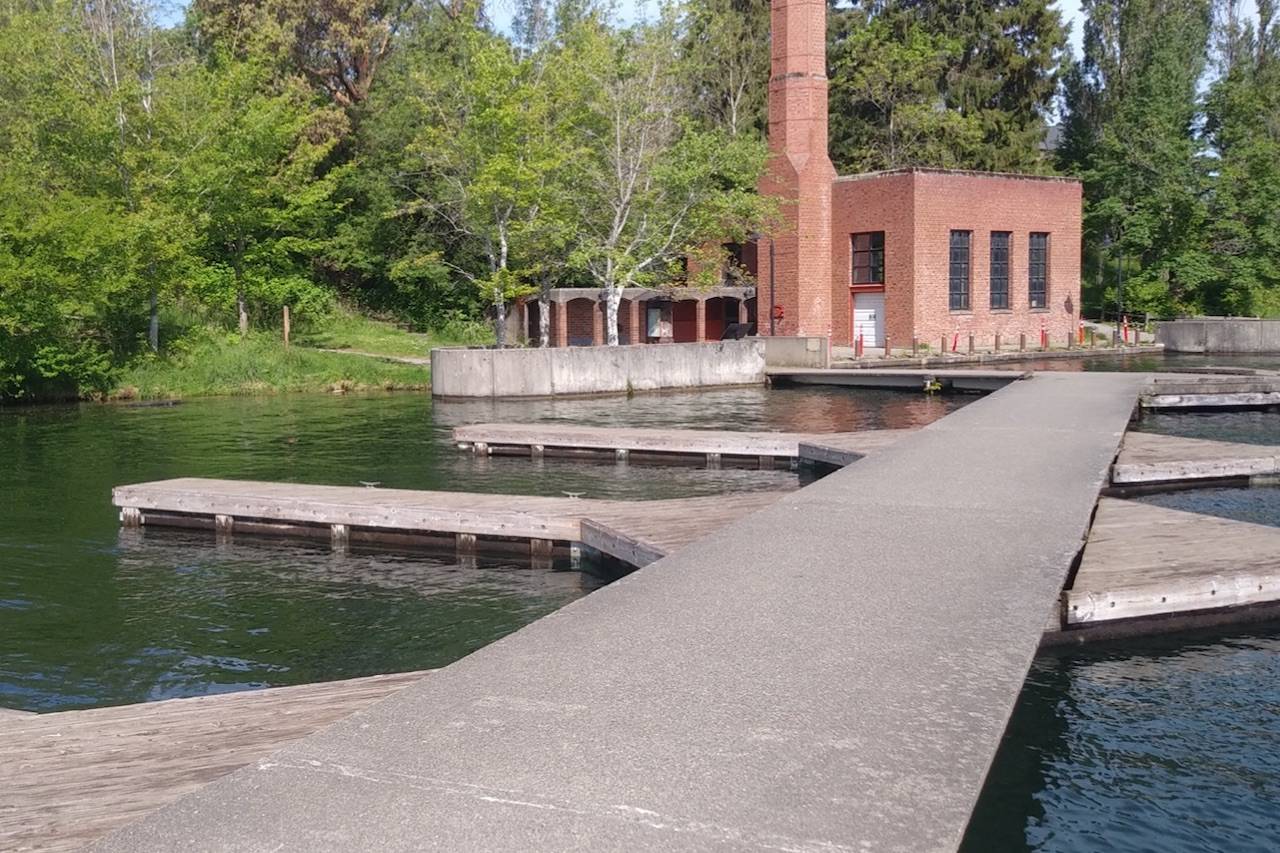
[799, 172]
[597, 323]
[700, 320]
[633, 322]
[743, 317]
[559, 324]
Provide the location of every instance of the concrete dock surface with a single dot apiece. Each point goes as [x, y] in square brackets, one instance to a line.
[833, 672]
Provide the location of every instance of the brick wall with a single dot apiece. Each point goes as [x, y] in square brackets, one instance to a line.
[982, 204]
[917, 210]
[580, 321]
[880, 204]
[799, 172]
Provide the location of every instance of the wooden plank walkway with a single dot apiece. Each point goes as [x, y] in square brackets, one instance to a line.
[73, 776]
[1209, 392]
[712, 447]
[1143, 560]
[1148, 458]
[469, 521]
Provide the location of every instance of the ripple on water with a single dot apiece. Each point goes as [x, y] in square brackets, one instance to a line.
[1243, 427]
[1168, 745]
[1255, 505]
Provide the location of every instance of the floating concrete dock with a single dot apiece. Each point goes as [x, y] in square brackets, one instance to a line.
[798, 679]
[469, 523]
[71, 777]
[714, 448]
[958, 379]
[1149, 459]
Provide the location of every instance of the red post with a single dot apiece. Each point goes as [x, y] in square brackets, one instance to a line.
[857, 346]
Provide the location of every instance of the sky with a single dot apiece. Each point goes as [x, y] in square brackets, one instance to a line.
[633, 10]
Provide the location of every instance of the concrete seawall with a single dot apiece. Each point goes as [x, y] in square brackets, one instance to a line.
[1220, 335]
[462, 373]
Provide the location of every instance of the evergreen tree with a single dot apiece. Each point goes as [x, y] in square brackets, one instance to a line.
[726, 51]
[958, 84]
[1131, 122]
[886, 107]
[1242, 128]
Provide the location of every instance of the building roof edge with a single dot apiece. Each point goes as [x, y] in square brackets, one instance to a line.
[971, 173]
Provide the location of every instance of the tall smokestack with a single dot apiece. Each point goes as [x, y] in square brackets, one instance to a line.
[799, 171]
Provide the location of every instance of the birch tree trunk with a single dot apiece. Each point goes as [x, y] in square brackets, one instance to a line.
[153, 326]
[612, 298]
[544, 319]
[499, 318]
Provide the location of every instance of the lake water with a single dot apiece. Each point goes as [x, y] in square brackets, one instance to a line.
[1168, 745]
[92, 615]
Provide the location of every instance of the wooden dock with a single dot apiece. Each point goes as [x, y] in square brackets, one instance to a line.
[939, 379]
[714, 448]
[73, 776]
[465, 521]
[1171, 391]
[1148, 459]
[1148, 561]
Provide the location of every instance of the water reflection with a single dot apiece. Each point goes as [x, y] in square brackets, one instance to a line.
[1254, 505]
[1244, 427]
[88, 619]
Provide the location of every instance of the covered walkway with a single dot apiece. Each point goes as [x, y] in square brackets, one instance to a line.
[678, 315]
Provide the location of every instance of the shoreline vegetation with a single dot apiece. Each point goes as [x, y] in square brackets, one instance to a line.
[213, 363]
[340, 352]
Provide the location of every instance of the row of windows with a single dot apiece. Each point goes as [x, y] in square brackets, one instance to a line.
[868, 266]
[1001, 246]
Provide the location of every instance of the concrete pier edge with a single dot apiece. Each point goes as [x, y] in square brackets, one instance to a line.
[834, 672]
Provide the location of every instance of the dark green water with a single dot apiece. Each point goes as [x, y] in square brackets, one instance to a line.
[1168, 745]
[91, 616]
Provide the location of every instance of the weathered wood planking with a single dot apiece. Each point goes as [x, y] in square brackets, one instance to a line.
[1206, 392]
[1150, 458]
[73, 776]
[1144, 560]
[546, 438]
[239, 504]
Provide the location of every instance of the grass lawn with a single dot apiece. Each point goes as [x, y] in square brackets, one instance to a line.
[217, 363]
[348, 330]
[261, 364]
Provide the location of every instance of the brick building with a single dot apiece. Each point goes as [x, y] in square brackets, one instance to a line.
[890, 256]
[910, 252]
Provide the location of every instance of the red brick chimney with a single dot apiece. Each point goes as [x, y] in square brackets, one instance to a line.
[799, 172]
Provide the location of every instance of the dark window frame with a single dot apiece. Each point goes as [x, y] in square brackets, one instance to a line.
[959, 269]
[1001, 255]
[868, 259]
[1038, 270]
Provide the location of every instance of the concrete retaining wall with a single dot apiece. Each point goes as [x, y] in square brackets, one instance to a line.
[1230, 335]
[797, 352]
[464, 372]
